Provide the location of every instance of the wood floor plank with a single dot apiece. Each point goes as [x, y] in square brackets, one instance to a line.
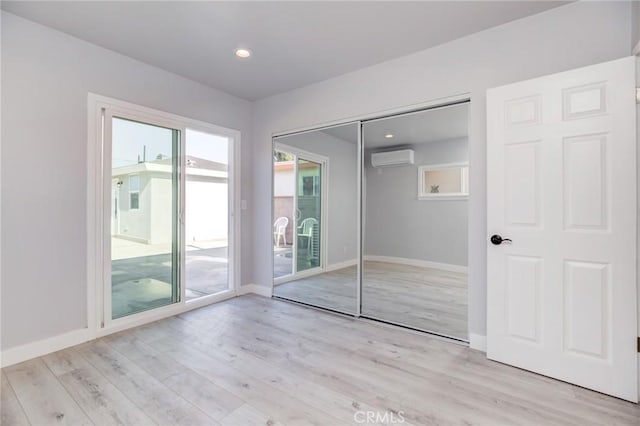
[259, 361]
[213, 400]
[425, 298]
[44, 400]
[160, 403]
[365, 377]
[265, 397]
[434, 351]
[246, 415]
[511, 384]
[144, 357]
[233, 351]
[101, 400]
[11, 412]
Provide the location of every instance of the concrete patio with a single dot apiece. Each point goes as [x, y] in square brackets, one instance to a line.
[142, 274]
[283, 260]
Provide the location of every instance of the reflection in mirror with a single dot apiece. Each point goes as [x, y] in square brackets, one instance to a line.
[415, 250]
[315, 201]
[443, 181]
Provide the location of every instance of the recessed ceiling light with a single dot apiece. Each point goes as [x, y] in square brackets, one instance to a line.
[388, 136]
[243, 53]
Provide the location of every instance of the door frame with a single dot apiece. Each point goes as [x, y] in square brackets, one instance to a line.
[324, 202]
[99, 218]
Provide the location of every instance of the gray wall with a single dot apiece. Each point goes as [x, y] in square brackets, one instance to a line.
[46, 76]
[342, 190]
[635, 24]
[567, 37]
[397, 224]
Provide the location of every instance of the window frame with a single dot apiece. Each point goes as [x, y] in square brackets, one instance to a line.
[137, 192]
[425, 195]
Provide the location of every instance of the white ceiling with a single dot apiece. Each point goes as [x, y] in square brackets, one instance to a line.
[412, 129]
[346, 132]
[294, 43]
[417, 128]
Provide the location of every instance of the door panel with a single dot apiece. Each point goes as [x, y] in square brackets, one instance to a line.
[206, 214]
[309, 199]
[315, 218]
[523, 297]
[144, 253]
[586, 306]
[585, 182]
[414, 265]
[522, 180]
[561, 183]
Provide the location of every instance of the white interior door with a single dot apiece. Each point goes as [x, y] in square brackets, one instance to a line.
[561, 184]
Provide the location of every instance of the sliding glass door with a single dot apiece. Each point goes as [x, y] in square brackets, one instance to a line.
[297, 228]
[144, 225]
[168, 225]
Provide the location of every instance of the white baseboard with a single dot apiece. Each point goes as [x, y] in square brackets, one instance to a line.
[341, 265]
[298, 276]
[46, 346]
[417, 262]
[478, 342]
[260, 290]
[43, 347]
[313, 272]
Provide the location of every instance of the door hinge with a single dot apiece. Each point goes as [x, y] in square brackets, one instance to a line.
[638, 95]
[639, 345]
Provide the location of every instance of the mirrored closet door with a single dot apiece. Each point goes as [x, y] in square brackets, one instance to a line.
[315, 217]
[370, 219]
[416, 184]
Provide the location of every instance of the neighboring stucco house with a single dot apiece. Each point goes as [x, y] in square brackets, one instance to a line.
[284, 187]
[142, 198]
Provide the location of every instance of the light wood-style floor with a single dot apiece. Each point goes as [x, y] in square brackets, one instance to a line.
[424, 298]
[259, 361]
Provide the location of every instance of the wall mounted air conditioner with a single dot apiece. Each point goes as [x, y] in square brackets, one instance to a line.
[392, 158]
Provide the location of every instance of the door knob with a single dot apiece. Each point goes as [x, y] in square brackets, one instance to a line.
[496, 240]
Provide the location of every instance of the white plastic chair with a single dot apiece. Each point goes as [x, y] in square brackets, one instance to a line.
[280, 230]
[306, 230]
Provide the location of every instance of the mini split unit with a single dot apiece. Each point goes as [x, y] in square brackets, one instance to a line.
[392, 158]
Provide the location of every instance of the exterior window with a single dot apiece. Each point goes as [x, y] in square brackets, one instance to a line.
[311, 186]
[134, 192]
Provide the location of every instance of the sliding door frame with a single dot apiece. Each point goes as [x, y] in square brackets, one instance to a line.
[324, 205]
[99, 316]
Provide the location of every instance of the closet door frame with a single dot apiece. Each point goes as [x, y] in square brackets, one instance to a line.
[360, 121]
